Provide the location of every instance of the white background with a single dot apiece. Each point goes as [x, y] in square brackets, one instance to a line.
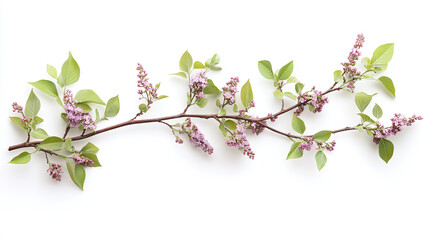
[152, 188]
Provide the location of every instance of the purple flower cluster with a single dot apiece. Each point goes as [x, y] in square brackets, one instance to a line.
[307, 144]
[195, 136]
[230, 90]
[82, 160]
[148, 92]
[55, 171]
[17, 108]
[256, 128]
[314, 98]
[197, 84]
[239, 140]
[398, 122]
[75, 115]
[349, 69]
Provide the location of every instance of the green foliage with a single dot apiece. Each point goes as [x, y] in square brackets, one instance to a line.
[162, 97]
[388, 84]
[112, 107]
[22, 158]
[278, 94]
[37, 120]
[223, 130]
[322, 136]
[89, 148]
[366, 62]
[32, 106]
[39, 134]
[52, 144]
[383, 54]
[362, 100]
[366, 118]
[286, 71]
[377, 111]
[298, 125]
[199, 65]
[185, 62]
[290, 95]
[17, 121]
[77, 174]
[266, 69]
[338, 76]
[202, 102]
[143, 107]
[230, 125]
[93, 157]
[180, 74]
[292, 80]
[85, 107]
[235, 108]
[52, 71]
[47, 87]
[88, 96]
[246, 94]
[70, 72]
[385, 149]
[222, 112]
[320, 160]
[211, 62]
[211, 88]
[299, 87]
[68, 145]
[294, 151]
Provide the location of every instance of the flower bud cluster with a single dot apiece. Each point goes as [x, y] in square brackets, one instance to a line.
[230, 90]
[148, 91]
[75, 115]
[197, 84]
[239, 140]
[398, 122]
[307, 144]
[195, 136]
[314, 98]
[82, 160]
[17, 108]
[55, 171]
[350, 71]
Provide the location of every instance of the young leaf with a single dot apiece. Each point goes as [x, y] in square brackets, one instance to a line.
[362, 100]
[37, 120]
[77, 174]
[297, 124]
[52, 71]
[266, 69]
[385, 149]
[366, 62]
[320, 160]
[294, 151]
[68, 145]
[64, 117]
[89, 148]
[278, 94]
[85, 107]
[377, 111]
[322, 136]
[52, 143]
[223, 130]
[199, 65]
[180, 74]
[211, 88]
[112, 107]
[202, 102]
[215, 68]
[246, 94]
[290, 95]
[366, 118]
[222, 112]
[39, 134]
[162, 97]
[185, 63]
[22, 158]
[292, 80]
[32, 106]
[88, 96]
[286, 71]
[47, 87]
[214, 60]
[143, 107]
[299, 87]
[17, 121]
[383, 54]
[388, 84]
[70, 72]
[230, 125]
[235, 108]
[338, 77]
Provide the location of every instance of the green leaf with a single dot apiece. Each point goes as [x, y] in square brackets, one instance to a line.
[320, 160]
[383, 54]
[299, 87]
[77, 174]
[89, 148]
[377, 111]
[39, 134]
[52, 143]
[180, 74]
[46, 86]
[70, 72]
[292, 80]
[381, 68]
[297, 124]
[52, 71]
[37, 120]
[162, 97]
[211, 88]
[366, 62]
[64, 117]
[290, 95]
[17, 121]
[143, 107]
[214, 68]
[294, 151]
[338, 76]
[278, 94]
[230, 124]
[199, 65]
[388, 84]
[222, 112]
[235, 108]
[362, 100]
[68, 145]
[246, 94]
[214, 60]
[202, 102]
[112, 107]
[22, 158]
[322, 136]
[266, 69]
[286, 71]
[94, 158]
[366, 118]
[85, 107]
[88, 96]
[185, 63]
[385, 149]
[32, 106]
[223, 130]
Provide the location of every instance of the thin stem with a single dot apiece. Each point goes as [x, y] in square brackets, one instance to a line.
[67, 131]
